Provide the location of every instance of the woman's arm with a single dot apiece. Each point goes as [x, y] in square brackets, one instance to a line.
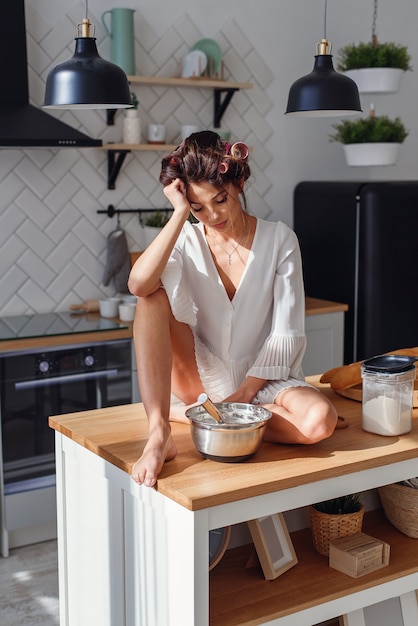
[145, 275]
[282, 352]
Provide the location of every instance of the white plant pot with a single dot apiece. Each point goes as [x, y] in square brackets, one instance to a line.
[131, 127]
[376, 79]
[371, 154]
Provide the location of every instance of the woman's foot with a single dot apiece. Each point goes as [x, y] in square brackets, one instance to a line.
[159, 448]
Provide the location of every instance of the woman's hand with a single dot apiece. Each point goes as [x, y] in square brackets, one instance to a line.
[176, 193]
[247, 391]
[145, 276]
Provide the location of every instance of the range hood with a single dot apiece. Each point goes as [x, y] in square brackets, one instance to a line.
[22, 124]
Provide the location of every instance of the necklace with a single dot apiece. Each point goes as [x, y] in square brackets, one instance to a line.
[230, 254]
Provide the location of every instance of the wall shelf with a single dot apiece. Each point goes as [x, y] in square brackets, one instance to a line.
[220, 88]
[116, 154]
[223, 92]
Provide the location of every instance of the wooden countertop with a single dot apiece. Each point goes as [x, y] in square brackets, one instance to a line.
[314, 306]
[119, 434]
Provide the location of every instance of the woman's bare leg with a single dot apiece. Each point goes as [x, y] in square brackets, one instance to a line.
[164, 351]
[300, 415]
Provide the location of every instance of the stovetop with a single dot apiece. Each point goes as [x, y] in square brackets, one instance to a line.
[49, 324]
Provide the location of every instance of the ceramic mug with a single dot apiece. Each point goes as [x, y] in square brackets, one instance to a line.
[188, 129]
[156, 133]
[127, 311]
[109, 307]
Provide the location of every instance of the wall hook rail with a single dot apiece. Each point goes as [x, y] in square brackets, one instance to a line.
[111, 211]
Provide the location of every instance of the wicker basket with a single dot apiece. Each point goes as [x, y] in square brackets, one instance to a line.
[400, 504]
[326, 527]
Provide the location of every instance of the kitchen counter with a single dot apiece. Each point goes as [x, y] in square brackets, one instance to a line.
[68, 338]
[119, 434]
[314, 306]
[164, 531]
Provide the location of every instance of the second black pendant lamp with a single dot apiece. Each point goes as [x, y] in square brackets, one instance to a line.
[86, 81]
[324, 92]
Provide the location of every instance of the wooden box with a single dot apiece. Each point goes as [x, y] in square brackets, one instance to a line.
[358, 554]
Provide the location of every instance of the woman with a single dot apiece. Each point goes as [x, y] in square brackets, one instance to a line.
[220, 307]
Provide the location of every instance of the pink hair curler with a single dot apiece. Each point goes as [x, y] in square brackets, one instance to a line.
[223, 167]
[239, 150]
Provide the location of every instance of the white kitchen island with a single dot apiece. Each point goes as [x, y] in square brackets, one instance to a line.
[134, 556]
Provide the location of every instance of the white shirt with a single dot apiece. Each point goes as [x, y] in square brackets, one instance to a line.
[261, 331]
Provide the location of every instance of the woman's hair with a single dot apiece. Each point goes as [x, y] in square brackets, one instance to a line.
[204, 156]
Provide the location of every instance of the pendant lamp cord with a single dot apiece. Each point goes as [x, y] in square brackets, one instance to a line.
[374, 35]
[87, 9]
[325, 19]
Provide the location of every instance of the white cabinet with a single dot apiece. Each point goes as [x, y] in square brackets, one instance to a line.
[324, 327]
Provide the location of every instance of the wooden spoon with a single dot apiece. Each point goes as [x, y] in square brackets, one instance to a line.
[207, 403]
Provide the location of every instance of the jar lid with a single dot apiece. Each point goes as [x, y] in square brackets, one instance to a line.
[390, 363]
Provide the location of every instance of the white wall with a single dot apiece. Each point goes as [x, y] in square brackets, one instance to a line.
[52, 241]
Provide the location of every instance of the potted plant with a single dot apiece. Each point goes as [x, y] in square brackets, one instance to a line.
[153, 224]
[375, 67]
[132, 123]
[372, 140]
[332, 519]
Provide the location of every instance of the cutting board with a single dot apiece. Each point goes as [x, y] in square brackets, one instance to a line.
[355, 393]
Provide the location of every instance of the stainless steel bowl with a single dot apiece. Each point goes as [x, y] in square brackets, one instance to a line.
[237, 439]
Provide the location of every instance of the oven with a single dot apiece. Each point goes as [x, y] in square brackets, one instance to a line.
[35, 384]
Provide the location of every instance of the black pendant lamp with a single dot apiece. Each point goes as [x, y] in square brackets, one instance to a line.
[87, 81]
[324, 92]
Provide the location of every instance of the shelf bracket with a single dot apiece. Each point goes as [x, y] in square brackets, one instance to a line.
[222, 105]
[115, 159]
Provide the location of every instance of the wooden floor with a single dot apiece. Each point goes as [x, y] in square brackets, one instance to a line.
[29, 586]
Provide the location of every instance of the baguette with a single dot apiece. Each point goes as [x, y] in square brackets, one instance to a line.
[347, 376]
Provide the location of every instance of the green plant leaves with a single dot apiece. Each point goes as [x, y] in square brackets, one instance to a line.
[340, 506]
[380, 129]
[354, 57]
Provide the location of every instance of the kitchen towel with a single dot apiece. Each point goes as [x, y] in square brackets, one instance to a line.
[118, 264]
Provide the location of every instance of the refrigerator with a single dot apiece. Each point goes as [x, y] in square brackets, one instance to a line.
[359, 246]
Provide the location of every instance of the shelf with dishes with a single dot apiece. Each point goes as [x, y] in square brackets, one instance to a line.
[220, 88]
[223, 92]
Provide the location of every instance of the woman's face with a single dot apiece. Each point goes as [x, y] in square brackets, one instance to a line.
[217, 208]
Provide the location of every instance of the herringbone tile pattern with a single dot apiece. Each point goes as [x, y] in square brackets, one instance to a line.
[52, 241]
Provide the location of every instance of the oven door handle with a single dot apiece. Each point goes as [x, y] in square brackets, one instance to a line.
[70, 378]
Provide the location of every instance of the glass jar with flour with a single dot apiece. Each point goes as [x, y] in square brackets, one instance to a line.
[388, 388]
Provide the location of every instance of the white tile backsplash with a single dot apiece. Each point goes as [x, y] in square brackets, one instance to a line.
[32, 264]
[52, 240]
[236, 39]
[31, 292]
